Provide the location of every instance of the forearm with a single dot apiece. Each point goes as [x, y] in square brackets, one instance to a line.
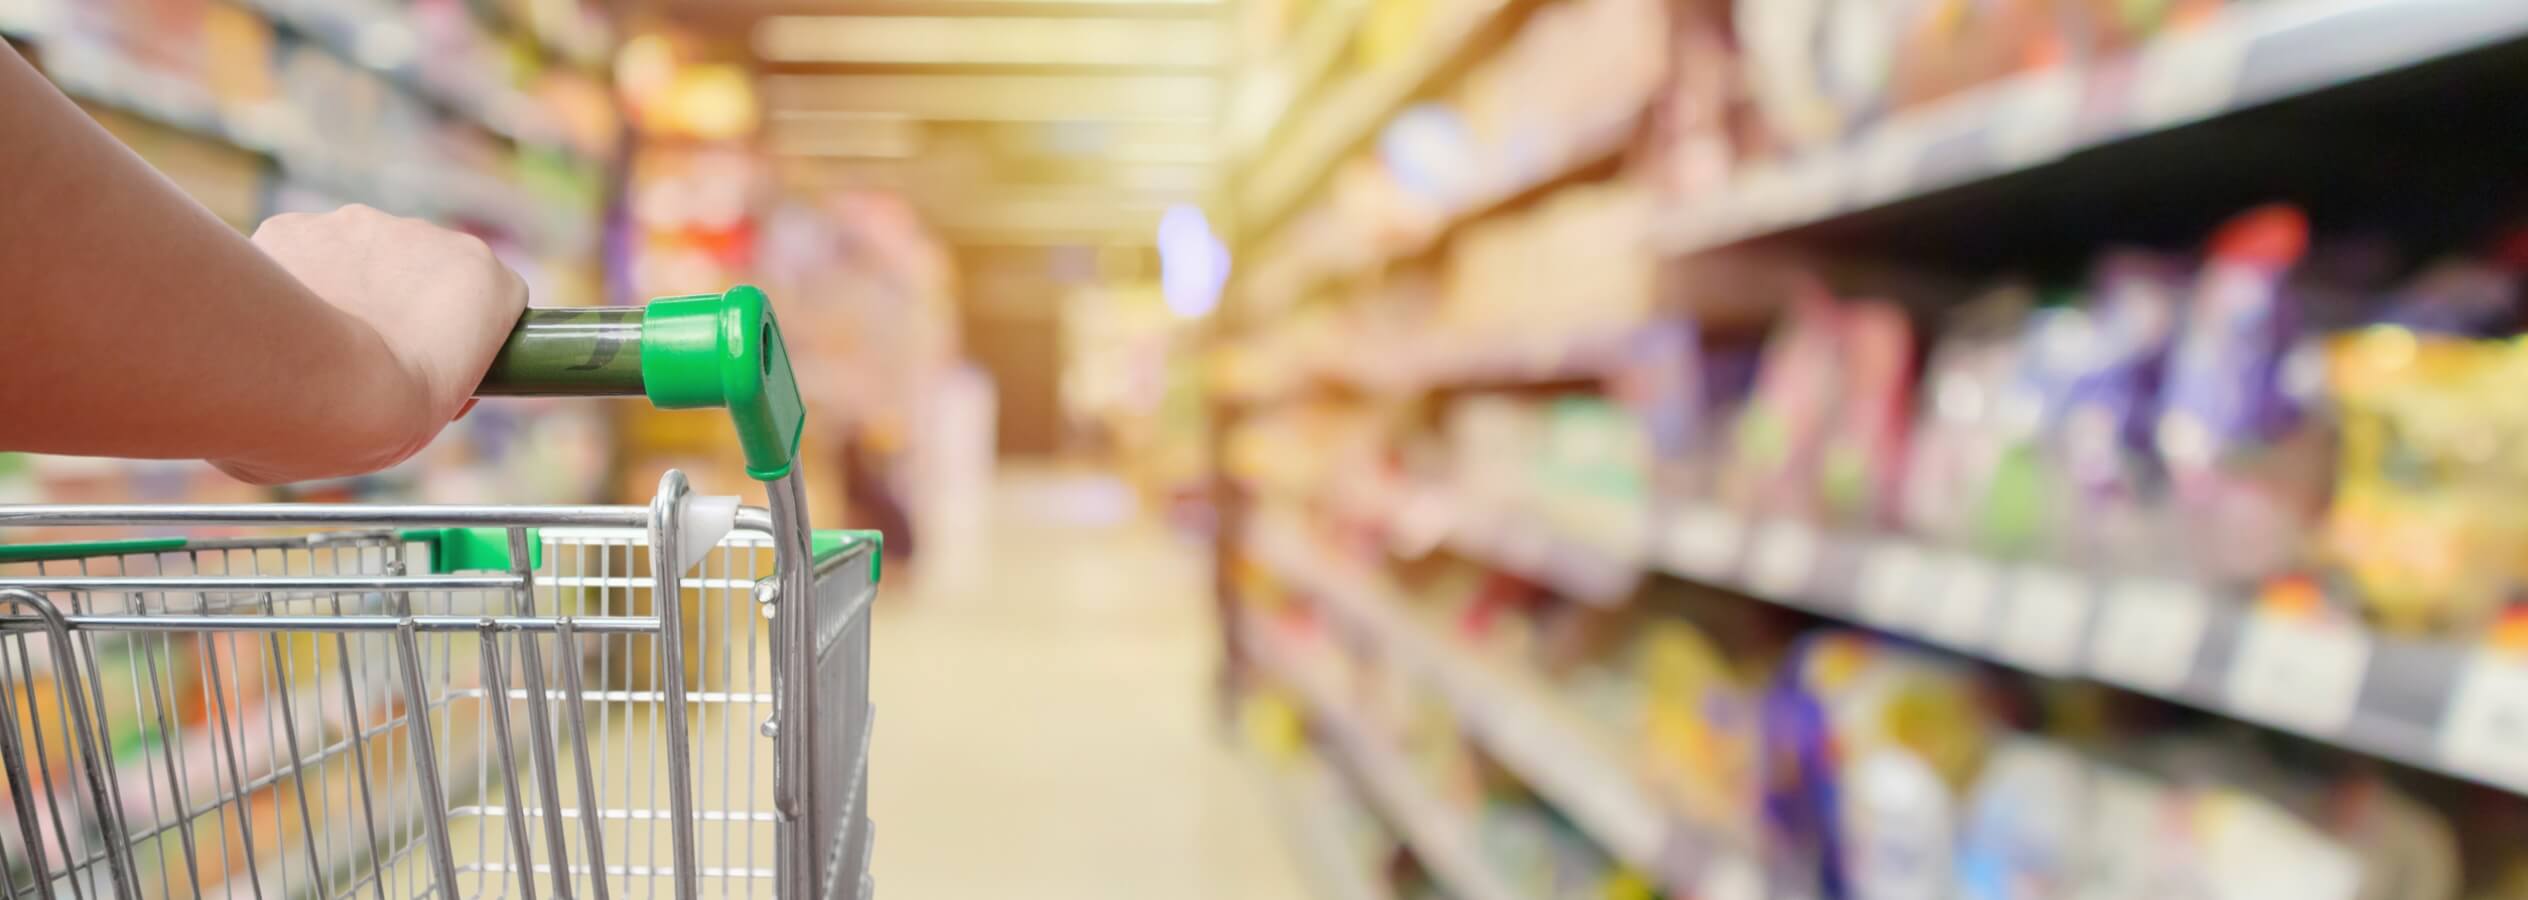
[135, 323]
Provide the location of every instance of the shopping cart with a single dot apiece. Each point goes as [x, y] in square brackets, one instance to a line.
[398, 701]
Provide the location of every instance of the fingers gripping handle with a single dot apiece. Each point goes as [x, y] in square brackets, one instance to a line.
[703, 351]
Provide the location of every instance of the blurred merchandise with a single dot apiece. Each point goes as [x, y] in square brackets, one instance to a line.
[421, 109]
[1602, 400]
[1521, 119]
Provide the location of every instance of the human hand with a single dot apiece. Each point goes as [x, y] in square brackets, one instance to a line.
[439, 305]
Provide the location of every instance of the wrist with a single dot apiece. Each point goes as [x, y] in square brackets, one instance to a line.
[393, 412]
[356, 409]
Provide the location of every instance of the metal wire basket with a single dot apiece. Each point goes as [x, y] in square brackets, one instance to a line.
[403, 701]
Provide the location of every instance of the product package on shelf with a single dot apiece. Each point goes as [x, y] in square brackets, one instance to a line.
[1823, 432]
[1569, 267]
[1897, 777]
[2424, 526]
[2262, 414]
[1521, 118]
[2241, 488]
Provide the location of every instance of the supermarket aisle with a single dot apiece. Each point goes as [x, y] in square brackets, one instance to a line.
[1048, 734]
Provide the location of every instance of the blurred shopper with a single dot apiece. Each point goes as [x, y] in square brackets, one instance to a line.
[867, 298]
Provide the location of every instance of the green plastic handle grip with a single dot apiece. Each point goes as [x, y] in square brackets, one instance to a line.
[719, 351]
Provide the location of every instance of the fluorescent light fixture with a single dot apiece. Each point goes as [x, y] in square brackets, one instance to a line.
[1052, 218]
[915, 174]
[948, 40]
[1124, 143]
[1193, 264]
[1002, 98]
[844, 135]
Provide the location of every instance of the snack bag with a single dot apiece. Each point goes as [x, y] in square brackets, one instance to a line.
[2243, 472]
[2427, 522]
[1774, 454]
[1861, 453]
[1949, 46]
[1958, 435]
[2079, 481]
[1698, 724]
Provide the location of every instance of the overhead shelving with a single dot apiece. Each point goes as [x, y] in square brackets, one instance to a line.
[2246, 56]
[1352, 113]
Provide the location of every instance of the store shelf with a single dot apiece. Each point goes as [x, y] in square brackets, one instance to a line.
[2439, 706]
[2250, 55]
[142, 789]
[24, 19]
[1354, 112]
[1444, 841]
[1517, 721]
[1413, 366]
[1598, 145]
[1527, 548]
[1308, 799]
[275, 133]
[1265, 97]
[340, 34]
[497, 17]
[1420, 517]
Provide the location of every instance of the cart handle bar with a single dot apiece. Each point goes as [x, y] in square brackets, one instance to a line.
[702, 351]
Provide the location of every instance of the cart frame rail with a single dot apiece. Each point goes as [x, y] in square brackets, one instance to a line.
[290, 713]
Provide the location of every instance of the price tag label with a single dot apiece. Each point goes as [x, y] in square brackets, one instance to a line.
[2148, 632]
[1965, 593]
[1702, 541]
[1884, 161]
[2042, 623]
[2299, 673]
[1891, 585]
[1764, 193]
[2038, 113]
[1785, 557]
[1815, 186]
[2486, 732]
[2186, 75]
[1731, 876]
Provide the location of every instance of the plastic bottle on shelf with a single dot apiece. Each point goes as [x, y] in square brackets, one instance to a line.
[2027, 831]
[1867, 746]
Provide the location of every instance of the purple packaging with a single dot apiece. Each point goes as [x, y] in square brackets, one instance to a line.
[2224, 391]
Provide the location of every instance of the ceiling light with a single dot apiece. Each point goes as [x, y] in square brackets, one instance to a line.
[1002, 98]
[946, 40]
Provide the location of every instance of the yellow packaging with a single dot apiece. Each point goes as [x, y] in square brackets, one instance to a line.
[2429, 521]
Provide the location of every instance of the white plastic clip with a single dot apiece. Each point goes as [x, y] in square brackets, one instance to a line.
[707, 519]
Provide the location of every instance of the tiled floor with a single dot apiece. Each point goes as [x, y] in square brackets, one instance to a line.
[1046, 732]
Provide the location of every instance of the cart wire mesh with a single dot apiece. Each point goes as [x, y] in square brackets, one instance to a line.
[329, 714]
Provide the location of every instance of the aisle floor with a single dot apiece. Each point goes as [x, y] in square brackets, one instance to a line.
[1046, 731]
